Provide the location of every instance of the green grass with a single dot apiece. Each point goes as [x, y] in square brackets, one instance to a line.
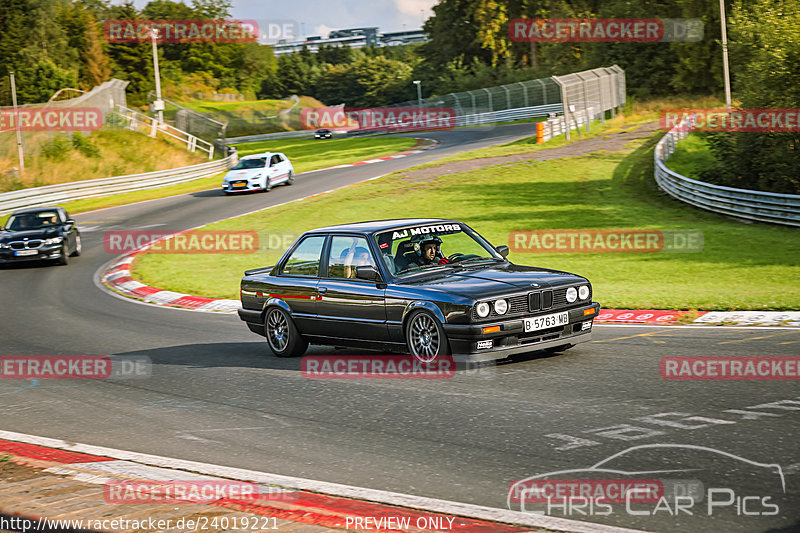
[305, 154]
[248, 106]
[692, 156]
[53, 159]
[743, 266]
[311, 154]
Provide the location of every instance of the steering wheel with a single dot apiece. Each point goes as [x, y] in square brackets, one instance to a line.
[455, 256]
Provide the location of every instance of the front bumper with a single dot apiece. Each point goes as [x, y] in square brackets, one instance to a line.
[43, 253]
[249, 186]
[470, 343]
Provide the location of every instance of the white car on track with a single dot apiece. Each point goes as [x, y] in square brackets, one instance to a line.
[258, 172]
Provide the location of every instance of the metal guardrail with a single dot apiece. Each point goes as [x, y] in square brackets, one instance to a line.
[477, 119]
[55, 194]
[268, 136]
[740, 203]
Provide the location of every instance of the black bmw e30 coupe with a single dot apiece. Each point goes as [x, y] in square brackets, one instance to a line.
[430, 287]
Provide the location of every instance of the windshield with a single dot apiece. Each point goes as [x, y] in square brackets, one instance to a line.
[429, 247]
[245, 164]
[28, 221]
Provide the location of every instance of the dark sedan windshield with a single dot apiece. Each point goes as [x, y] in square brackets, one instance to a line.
[426, 247]
[30, 221]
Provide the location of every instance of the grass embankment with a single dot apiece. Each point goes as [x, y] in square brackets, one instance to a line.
[52, 159]
[692, 157]
[305, 154]
[742, 266]
[247, 107]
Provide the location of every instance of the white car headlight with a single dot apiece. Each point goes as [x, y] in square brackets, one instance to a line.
[500, 307]
[583, 292]
[572, 294]
[482, 309]
[54, 240]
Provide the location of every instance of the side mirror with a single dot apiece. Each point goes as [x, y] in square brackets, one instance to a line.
[368, 272]
[69, 221]
[502, 250]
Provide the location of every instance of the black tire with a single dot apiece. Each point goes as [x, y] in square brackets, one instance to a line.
[78, 247]
[64, 259]
[425, 337]
[282, 336]
[290, 179]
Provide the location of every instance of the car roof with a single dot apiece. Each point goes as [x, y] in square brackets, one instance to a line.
[35, 210]
[258, 156]
[374, 226]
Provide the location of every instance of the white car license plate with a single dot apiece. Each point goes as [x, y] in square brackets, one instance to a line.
[26, 252]
[546, 321]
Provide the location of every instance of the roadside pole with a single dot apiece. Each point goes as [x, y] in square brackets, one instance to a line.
[20, 151]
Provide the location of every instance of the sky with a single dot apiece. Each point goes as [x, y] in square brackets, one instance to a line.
[318, 17]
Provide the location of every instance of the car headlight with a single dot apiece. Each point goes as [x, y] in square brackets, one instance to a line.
[4, 246]
[482, 309]
[583, 292]
[54, 240]
[572, 294]
[500, 307]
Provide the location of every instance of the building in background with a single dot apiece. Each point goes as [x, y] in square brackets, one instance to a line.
[354, 38]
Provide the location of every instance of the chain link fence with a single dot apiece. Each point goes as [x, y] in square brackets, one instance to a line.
[592, 91]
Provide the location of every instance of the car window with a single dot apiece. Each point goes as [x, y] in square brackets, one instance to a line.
[279, 157]
[304, 261]
[347, 253]
[30, 221]
[274, 160]
[245, 164]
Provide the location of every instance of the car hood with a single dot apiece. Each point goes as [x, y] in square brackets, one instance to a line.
[498, 280]
[243, 174]
[8, 236]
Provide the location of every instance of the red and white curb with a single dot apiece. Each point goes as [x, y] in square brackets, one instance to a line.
[312, 502]
[666, 317]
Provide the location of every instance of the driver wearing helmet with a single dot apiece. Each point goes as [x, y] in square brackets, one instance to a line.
[428, 249]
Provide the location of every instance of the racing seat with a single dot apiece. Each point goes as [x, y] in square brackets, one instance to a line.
[405, 255]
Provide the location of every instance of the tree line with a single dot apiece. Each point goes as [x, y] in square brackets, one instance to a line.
[52, 44]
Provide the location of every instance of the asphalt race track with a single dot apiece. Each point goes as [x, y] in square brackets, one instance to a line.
[217, 395]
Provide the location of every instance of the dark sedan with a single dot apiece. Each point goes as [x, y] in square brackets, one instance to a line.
[38, 234]
[426, 286]
[323, 134]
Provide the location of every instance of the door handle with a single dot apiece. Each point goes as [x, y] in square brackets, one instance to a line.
[322, 290]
